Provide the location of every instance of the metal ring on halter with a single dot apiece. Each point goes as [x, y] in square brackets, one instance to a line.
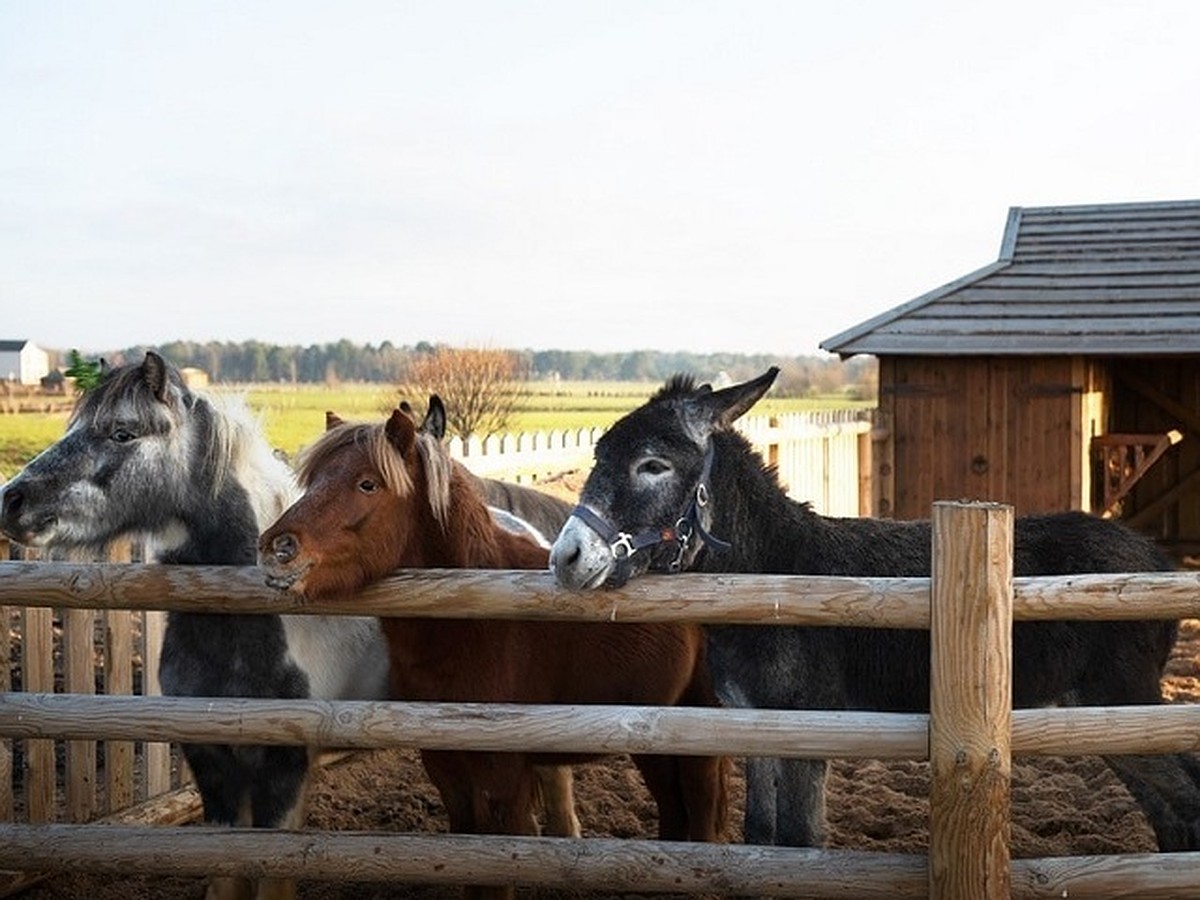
[683, 530]
[683, 536]
[623, 542]
[702, 494]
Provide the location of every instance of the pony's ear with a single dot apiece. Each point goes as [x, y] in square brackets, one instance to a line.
[725, 406]
[406, 408]
[332, 420]
[154, 374]
[401, 432]
[435, 418]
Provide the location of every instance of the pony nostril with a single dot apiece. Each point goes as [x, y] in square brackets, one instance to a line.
[11, 502]
[284, 548]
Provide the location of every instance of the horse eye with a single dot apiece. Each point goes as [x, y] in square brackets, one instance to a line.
[652, 467]
[123, 436]
[367, 486]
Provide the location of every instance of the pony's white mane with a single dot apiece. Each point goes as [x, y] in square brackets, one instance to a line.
[238, 450]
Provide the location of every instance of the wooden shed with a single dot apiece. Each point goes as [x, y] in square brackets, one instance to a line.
[1066, 375]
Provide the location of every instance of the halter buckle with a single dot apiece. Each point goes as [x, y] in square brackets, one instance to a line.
[622, 546]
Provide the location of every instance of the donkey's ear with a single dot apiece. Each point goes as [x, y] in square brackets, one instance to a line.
[332, 420]
[727, 405]
[406, 408]
[154, 374]
[401, 432]
[435, 418]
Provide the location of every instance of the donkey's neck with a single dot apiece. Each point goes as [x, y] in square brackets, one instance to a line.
[752, 512]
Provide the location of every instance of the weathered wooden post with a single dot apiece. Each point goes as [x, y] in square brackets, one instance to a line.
[970, 701]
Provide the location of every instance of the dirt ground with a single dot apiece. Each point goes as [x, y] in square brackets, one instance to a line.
[1059, 807]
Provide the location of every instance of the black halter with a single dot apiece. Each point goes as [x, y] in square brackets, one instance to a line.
[623, 545]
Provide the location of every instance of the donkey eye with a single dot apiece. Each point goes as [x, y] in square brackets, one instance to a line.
[122, 436]
[368, 486]
[652, 466]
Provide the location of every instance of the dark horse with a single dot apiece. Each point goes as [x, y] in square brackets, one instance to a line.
[676, 463]
[386, 495]
[143, 454]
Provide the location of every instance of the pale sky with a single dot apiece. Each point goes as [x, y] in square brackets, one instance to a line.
[708, 176]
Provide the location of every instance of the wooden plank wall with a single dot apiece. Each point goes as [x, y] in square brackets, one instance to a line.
[1014, 430]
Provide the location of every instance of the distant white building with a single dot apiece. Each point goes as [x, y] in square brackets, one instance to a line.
[23, 362]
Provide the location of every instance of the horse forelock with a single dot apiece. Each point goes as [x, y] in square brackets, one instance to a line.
[369, 439]
[124, 397]
[218, 438]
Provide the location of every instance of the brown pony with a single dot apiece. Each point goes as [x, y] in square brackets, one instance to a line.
[378, 497]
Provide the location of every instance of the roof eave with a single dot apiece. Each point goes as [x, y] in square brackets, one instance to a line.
[838, 343]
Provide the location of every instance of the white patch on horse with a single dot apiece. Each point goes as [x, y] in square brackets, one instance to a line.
[322, 646]
[170, 537]
[515, 524]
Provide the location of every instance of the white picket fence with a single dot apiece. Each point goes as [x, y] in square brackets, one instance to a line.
[822, 457]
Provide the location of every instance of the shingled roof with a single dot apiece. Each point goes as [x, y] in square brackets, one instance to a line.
[1118, 279]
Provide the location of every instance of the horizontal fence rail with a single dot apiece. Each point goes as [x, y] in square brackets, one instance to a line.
[523, 594]
[39, 715]
[594, 728]
[594, 863]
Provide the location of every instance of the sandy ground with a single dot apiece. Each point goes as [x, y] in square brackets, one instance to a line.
[1060, 807]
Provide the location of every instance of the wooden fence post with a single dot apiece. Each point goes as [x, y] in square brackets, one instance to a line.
[970, 701]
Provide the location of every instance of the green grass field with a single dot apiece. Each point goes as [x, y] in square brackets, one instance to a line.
[294, 416]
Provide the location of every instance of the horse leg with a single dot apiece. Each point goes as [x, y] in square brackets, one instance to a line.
[221, 783]
[484, 793]
[785, 802]
[278, 800]
[1167, 787]
[503, 797]
[800, 802]
[661, 776]
[704, 786]
[451, 780]
[229, 887]
[1167, 792]
[557, 784]
[760, 817]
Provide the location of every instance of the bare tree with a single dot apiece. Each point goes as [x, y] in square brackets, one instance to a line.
[480, 388]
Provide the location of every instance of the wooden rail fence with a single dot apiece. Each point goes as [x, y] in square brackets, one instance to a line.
[968, 736]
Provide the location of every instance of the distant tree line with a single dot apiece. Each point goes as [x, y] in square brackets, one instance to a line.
[386, 363]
